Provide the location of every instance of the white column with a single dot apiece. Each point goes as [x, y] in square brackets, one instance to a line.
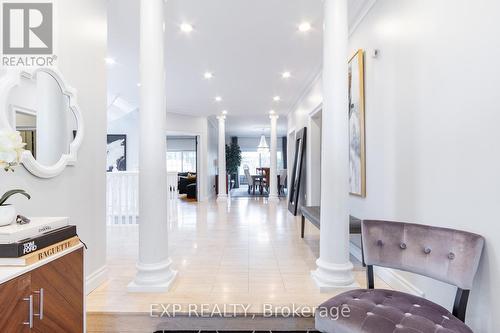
[273, 177]
[222, 159]
[154, 273]
[334, 269]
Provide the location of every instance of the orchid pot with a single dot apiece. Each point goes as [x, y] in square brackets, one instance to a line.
[8, 213]
[11, 150]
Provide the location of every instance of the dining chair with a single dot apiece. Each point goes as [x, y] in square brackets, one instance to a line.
[250, 180]
[283, 179]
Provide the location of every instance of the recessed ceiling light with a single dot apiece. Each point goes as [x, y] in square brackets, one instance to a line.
[276, 98]
[286, 75]
[224, 112]
[305, 27]
[218, 99]
[186, 27]
[208, 75]
[110, 61]
[139, 84]
[272, 112]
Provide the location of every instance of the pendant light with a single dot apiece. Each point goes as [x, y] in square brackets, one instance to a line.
[263, 147]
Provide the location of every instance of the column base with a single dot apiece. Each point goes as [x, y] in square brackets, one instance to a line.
[329, 277]
[273, 198]
[152, 278]
[222, 198]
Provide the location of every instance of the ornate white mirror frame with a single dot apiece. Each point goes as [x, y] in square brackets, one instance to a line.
[11, 80]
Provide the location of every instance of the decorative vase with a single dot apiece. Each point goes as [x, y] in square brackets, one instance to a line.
[7, 215]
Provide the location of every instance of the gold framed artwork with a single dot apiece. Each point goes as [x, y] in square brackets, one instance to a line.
[357, 147]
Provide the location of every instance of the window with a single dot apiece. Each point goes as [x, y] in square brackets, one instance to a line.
[181, 161]
[255, 160]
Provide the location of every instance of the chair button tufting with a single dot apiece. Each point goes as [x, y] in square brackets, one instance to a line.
[427, 250]
[451, 255]
[438, 326]
[402, 246]
[380, 243]
[399, 326]
[369, 313]
[416, 305]
[356, 299]
[446, 317]
[407, 314]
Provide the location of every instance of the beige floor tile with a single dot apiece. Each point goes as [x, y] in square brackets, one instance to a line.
[244, 252]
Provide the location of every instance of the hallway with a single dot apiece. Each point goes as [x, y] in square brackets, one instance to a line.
[244, 252]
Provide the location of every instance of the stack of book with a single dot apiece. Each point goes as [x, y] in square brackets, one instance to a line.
[22, 245]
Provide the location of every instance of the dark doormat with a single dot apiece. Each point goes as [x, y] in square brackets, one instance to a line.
[237, 331]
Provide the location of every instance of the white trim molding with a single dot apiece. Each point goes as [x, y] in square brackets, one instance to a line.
[95, 279]
[390, 276]
[360, 16]
[397, 281]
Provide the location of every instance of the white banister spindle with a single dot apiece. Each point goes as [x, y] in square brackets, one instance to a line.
[172, 181]
[122, 197]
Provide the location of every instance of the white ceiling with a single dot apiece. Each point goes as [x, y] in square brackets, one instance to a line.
[247, 44]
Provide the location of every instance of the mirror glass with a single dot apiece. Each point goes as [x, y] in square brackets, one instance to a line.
[40, 111]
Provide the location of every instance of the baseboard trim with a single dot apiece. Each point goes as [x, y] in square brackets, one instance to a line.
[95, 279]
[390, 276]
[398, 282]
[356, 252]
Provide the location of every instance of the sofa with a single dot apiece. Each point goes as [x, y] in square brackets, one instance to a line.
[184, 179]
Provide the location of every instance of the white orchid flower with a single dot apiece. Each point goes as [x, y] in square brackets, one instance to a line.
[11, 149]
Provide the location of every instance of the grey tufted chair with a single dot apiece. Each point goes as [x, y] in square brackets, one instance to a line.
[447, 255]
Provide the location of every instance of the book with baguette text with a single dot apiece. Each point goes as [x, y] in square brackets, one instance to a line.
[42, 254]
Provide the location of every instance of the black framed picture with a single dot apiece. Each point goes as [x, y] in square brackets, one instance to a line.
[300, 148]
[116, 152]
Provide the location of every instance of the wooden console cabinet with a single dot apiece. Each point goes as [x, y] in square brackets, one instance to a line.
[45, 299]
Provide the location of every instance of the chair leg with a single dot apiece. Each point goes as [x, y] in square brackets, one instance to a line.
[303, 226]
[362, 253]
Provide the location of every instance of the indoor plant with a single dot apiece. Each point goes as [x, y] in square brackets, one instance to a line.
[233, 159]
[11, 149]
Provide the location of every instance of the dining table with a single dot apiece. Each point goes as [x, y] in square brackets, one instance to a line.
[260, 180]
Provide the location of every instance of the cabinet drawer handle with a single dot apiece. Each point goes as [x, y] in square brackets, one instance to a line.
[40, 303]
[30, 319]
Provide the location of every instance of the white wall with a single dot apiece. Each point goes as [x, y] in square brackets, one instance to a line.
[299, 118]
[128, 125]
[432, 116]
[431, 129]
[176, 125]
[79, 192]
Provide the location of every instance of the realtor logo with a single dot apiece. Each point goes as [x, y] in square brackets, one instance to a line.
[27, 28]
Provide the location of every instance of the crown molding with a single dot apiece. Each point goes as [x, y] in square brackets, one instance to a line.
[363, 11]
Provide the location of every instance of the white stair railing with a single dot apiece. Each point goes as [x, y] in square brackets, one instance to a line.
[122, 197]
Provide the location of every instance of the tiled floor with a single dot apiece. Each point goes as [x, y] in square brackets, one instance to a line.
[244, 252]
